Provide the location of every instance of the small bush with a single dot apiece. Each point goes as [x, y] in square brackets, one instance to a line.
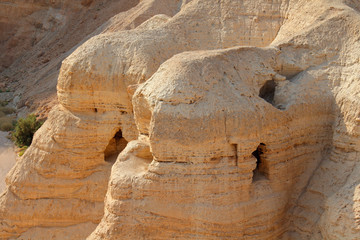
[6, 123]
[22, 150]
[25, 129]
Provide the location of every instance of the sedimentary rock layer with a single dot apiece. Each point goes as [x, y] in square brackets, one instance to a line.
[202, 116]
[230, 119]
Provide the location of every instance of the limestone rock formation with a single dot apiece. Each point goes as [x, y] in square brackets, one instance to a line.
[227, 119]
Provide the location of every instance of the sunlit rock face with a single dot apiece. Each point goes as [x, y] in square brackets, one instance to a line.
[228, 120]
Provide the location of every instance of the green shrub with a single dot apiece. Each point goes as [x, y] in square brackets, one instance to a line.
[6, 123]
[25, 129]
[22, 150]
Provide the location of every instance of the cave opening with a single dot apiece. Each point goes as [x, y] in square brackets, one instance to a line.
[115, 147]
[261, 170]
[267, 92]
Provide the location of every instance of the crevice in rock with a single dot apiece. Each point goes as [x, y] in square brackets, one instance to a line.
[115, 146]
[236, 154]
[261, 170]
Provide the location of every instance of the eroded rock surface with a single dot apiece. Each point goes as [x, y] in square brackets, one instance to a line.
[228, 119]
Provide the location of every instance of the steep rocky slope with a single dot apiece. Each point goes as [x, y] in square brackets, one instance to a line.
[227, 120]
[37, 36]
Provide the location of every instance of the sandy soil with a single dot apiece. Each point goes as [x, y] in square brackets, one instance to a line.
[7, 158]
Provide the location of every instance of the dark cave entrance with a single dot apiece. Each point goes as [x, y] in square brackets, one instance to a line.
[115, 146]
[261, 169]
[267, 92]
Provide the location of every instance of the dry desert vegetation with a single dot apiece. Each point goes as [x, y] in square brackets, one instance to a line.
[184, 119]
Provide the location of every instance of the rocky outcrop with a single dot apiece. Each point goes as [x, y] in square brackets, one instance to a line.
[231, 119]
[203, 118]
[79, 162]
[208, 184]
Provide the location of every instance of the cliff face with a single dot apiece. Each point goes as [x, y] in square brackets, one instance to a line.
[231, 119]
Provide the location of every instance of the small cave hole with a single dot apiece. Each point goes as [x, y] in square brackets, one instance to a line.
[115, 146]
[261, 170]
[267, 92]
[95, 110]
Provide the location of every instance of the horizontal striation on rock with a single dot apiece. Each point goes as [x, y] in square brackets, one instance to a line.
[66, 160]
[230, 119]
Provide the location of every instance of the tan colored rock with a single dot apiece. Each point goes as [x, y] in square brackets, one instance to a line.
[76, 232]
[200, 106]
[207, 185]
[241, 120]
[64, 174]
